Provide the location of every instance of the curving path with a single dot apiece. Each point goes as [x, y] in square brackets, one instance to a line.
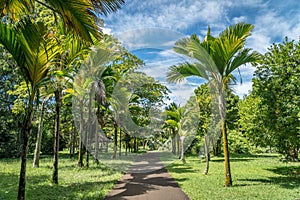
[147, 179]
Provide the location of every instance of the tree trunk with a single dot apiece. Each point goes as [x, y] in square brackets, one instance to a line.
[96, 143]
[25, 132]
[120, 142]
[115, 140]
[228, 180]
[178, 145]
[58, 97]
[81, 130]
[182, 149]
[72, 141]
[36, 159]
[217, 147]
[135, 144]
[222, 109]
[173, 142]
[207, 156]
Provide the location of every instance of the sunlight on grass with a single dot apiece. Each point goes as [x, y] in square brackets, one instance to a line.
[74, 183]
[254, 177]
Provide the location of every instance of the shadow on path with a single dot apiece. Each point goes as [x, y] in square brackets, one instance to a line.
[147, 178]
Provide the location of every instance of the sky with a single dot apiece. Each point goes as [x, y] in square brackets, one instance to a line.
[149, 29]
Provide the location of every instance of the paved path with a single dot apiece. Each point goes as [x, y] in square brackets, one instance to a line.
[147, 179]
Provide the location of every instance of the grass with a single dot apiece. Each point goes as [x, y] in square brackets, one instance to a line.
[74, 183]
[254, 177]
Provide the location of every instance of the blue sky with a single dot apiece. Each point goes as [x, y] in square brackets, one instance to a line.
[149, 29]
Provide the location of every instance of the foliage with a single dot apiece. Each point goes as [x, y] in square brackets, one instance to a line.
[276, 86]
[10, 77]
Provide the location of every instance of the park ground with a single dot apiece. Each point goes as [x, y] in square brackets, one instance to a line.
[259, 176]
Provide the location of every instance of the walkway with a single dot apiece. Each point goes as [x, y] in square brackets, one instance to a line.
[147, 179]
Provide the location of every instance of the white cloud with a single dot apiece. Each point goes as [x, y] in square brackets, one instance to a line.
[242, 89]
[175, 15]
[157, 24]
[239, 19]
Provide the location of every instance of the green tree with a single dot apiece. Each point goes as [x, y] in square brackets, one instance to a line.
[10, 121]
[28, 43]
[215, 60]
[32, 51]
[276, 84]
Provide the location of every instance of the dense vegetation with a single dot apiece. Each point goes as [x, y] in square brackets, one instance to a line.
[66, 86]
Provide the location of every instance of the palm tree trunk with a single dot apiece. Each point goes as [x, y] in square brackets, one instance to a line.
[36, 158]
[173, 135]
[207, 156]
[25, 132]
[222, 108]
[115, 140]
[178, 145]
[81, 129]
[58, 97]
[120, 142]
[182, 149]
[96, 143]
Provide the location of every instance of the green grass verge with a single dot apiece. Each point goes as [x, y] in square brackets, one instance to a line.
[74, 182]
[254, 177]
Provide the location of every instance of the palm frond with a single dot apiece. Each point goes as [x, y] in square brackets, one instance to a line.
[77, 16]
[240, 30]
[243, 57]
[9, 39]
[177, 73]
[107, 6]
[16, 8]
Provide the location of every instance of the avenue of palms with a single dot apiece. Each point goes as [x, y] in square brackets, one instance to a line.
[78, 102]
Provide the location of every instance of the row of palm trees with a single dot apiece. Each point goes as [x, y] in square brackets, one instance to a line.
[36, 49]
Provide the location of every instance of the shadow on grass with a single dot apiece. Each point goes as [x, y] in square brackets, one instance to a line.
[9, 184]
[289, 177]
[80, 190]
[233, 160]
[285, 182]
[179, 168]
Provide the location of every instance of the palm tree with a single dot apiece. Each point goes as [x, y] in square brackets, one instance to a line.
[174, 115]
[31, 49]
[77, 16]
[214, 60]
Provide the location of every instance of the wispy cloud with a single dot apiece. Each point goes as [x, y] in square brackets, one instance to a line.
[157, 24]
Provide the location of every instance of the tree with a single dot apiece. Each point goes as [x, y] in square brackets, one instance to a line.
[174, 115]
[10, 120]
[276, 86]
[28, 43]
[32, 51]
[215, 60]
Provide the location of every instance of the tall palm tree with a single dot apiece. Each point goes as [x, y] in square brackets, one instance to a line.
[32, 50]
[215, 59]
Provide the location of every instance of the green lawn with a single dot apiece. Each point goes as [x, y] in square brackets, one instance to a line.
[254, 177]
[74, 183]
